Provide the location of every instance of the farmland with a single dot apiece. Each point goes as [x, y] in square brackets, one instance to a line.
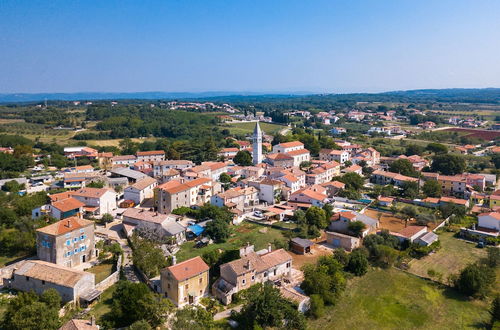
[476, 133]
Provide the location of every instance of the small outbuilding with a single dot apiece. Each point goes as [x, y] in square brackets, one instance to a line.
[300, 245]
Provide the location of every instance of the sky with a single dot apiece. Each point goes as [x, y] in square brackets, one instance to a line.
[253, 46]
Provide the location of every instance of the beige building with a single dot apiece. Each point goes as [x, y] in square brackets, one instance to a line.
[69, 242]
[186, 282]
[250, 269]
[38, 276]
[177, 193]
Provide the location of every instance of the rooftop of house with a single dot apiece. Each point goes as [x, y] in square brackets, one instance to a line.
[144, 215]
[65, 226]
[188, 269]
[77, 324]
[150, 153]
[495, 215]
[52, 273]
[291, 144]
[90, 192]
[255, 262]
[67, 204]
[411, 230]
[144, 183]
[298, 152]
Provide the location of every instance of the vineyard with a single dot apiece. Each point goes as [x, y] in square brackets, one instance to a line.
[476, 133]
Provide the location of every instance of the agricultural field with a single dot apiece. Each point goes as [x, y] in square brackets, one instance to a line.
[392, 299]
[391, 222]
[245, 233]
[247, 128]
[453, 255]
[476, 133]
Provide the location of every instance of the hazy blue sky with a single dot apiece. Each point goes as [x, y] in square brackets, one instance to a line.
[237, 45]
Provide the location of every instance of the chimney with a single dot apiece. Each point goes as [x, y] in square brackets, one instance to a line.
[68, 223]
[174, 260]
[248, 264]
[269, 247]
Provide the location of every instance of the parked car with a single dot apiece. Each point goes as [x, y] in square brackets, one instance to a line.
[258, 214]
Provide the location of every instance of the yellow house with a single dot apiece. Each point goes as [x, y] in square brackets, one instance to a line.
[494, 201]
[186, 282]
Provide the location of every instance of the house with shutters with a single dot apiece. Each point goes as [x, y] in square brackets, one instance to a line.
[69, 242]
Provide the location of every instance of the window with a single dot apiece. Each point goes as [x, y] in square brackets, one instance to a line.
[253, 278]
[201, 280]
[265, 274]
[68, 242]
[27, 279]
[168, 285]
[275, 272]
[82, 237]
[43, 282]
[243, 282]
[287, 265]
[76, 251]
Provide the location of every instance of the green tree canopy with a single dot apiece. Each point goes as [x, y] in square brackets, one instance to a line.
[243, 158]
[404, 167]
[432, 188]
[448, 164]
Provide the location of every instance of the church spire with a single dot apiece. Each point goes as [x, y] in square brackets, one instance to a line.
[257, 144]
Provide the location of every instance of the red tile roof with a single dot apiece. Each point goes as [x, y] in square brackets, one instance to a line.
[65, 226]
[188, 268]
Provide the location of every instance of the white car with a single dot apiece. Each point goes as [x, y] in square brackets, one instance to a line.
[258, 214]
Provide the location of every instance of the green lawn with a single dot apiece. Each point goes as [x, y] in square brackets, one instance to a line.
[255, 234]
[4, 260]
[392, 299]
[247, 128]
[453, 255]
[101, 271]
[103, 306]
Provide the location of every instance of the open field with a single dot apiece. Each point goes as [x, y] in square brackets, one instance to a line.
[247, 128]
[476, 133]
[252, 233]
[392, 299]
[103, 306]
[390, 222]
[101, 271]
[453, 255]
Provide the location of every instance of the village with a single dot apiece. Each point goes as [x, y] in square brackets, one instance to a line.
[277, 206]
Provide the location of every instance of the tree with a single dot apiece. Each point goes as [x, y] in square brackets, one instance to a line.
[107, 218]
[495, 309]
[414, 149]
[317, 306]
[410, 189]
[316, 216]
[192, 318]
[424, 219]
[437, 148]
[448, 164]
[407, 213]
[96, 184]
[341, 256]
[225, 178]
[328, 208]
[475, 280]
[133, 302]
[356, 228]
[495, 159]
[493, 257]
[140, 325]
[218, 230]
[147, 256]
[358, 263]
[404, 167]
[13, 186]
[352, 181]
[325, 279]
[266, 307]
[432, 188]
[386, 256]
[243, 158]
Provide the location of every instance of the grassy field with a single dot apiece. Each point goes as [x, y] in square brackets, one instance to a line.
[392, 299]
[247, 128]
[101, 271]
[255, 234]
[454, 255]
[103, 306]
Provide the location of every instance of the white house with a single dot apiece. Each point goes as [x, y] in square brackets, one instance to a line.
[286, 147]
[97, 200]
[489, 220]
[340, 156]
[141, 190]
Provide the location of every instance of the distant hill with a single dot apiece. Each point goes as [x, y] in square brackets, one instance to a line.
[466, 95]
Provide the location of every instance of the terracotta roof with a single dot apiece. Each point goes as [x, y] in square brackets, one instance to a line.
[123, 157]
[144, 183]
[411, 230]
[229, 150]
[279, 156]
[60, 196]
[90, 192]
[143, 215]
[332, 151]
[150, 153]
[67, 204]
[65, 226]
[495, 215]
[386, 199]
[52, 273]
[276, 257]
[291, 144]
[298, 152]
[188, 268]
[348, 215]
